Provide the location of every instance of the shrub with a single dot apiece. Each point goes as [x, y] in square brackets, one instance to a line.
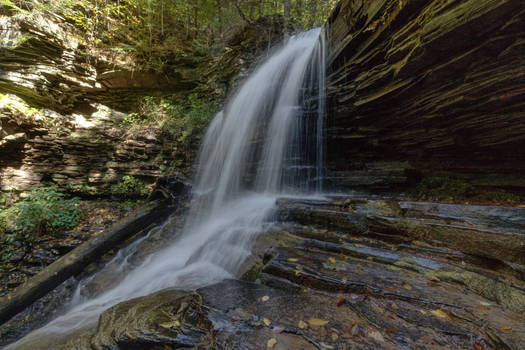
[176, 119]
[130, 186]
[42, 210]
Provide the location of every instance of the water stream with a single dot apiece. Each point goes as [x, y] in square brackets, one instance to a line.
[267, 141]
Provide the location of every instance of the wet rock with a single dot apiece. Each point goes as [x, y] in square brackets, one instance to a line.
[171, 187]
[324, 284]
[16, 279]
[475, 235]
[40, 257]
[17, 256]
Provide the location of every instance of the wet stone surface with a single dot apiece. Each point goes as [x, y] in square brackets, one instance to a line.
[316, 287]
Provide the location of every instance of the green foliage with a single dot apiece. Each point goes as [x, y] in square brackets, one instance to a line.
[11, 6]
[129, 187]
[177, 120]
[42, 210]
[158, 33]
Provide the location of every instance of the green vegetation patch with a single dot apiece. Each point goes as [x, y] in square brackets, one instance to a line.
[176, 119]
[42, 210]
[129, 187]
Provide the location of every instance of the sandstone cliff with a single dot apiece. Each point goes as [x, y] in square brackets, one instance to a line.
[422, 89]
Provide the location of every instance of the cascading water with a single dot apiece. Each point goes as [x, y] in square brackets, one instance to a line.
[267, 141]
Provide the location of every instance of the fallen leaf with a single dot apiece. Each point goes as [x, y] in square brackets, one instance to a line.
[170, 325]
[271, 343]
[334, 336]
[478, 346]
[356, 330]
[267, 321]
[265, 298]
[394, 306]
[317, 322]
[292, 260]
[305, 290]
[341, 301]
[332, 260]
[505, 329]
[482, 307]
[302, 324]
[377, 336]
[407, 286]
[423, 312]
[439, 313]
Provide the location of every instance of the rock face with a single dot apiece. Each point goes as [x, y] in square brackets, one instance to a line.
[426, 88]
[45, 61]
[83, 152]
[61, 110]
[338, 273]
[62, 106]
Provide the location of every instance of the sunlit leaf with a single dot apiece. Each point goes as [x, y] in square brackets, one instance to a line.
[170, 325]
[302, 324]
[267, 322]
[377, 336]
[271, 343]
[317, 322]
[332, 260]
[505, 329]
[292, 260]
[482, 307]
[439, 313]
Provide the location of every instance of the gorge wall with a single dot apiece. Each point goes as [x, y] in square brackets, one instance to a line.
[63, 102]
[423, 89]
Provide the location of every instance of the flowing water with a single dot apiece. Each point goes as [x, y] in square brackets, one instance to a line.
[267, 141]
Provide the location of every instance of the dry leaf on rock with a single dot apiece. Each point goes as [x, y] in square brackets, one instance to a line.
[317, 322]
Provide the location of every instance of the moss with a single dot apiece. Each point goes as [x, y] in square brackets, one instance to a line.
[19, 41]
[410, 264]
[11, 102]
[253, 273]
[501, 293]
[11, 7]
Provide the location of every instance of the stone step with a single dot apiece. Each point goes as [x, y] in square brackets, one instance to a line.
[402, 222]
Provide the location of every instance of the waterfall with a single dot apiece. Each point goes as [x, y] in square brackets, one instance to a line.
[267, 141]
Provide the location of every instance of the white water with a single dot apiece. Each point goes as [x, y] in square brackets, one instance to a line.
[252, 151]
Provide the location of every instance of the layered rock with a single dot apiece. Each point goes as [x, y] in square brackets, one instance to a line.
[46, 62]
[327, 276]
[426, 88]
[62, 104]
[83, 152]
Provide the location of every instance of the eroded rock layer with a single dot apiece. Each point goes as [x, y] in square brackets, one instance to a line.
[426, 87]
[343, 273]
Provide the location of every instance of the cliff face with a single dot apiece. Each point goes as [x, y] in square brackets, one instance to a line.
[63, 102]
[426, 88]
